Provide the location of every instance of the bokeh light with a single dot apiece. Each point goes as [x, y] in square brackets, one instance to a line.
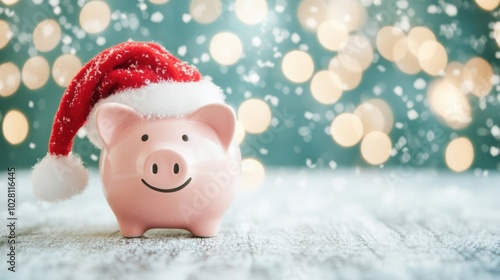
[252, 174]
[333, 35]
[376, 147]
[239, 133]
[10, 78]
[36, 72]
[449, 103]
[433, 58]
[478, 74]
[15, 127]
[386, 112]
[297, 66]
[417, 37]
[95, 16]
[346, 129]
[375, 115]
[496, 32]
[371, 117]
[351, 13]
[408, 63]
[413, 53]
[46, 35]
[326, 87]
[65, 68]
[205, 11]
[488, 5]
[10, 2]
[348, 69]
[226, 48]
[158, 2]
[255, 115]
[386, 40]
[358, 47]
[251, 11]
[5, 33]
[312, 13]
[459, 154]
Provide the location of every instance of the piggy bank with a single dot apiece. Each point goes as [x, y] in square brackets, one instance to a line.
[168, 159]
[177, 172]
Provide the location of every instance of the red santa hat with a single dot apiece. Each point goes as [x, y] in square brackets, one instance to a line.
[143, 76]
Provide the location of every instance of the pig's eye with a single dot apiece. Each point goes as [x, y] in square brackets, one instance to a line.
[185, 138]
[144, 137]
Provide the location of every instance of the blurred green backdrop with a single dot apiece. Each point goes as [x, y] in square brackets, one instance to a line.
[299, 133]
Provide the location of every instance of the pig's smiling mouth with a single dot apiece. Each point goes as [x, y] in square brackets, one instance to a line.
[167, 190]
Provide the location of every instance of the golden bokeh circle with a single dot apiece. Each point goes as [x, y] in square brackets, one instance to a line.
[10, 78]
[496, 32]
[376, 147]
[408, 63]
[433, 58]
[10, 2]
[15, 127]
[255, 115]
[348, 69]
[297, 66]
[5, 33]
[239, 133]
[205, 11]
[95, 16]
[386, 40]
[417, 37]
[253, 173]
[358, 47]
[312, 13]
[251, 12]
[226, 48]
[346, 129]
[478, 74]
[351, 13]
[449, 103]
[65, 68]
[333, 35]
[36, 72]
[488, 5]
[386, 112]
[158, 2]
[459, 154]
[375, 115]
[326, 87]
[46, 35]
[371, 117]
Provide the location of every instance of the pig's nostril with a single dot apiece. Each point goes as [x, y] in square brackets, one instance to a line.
[176, 168]
[155, 168]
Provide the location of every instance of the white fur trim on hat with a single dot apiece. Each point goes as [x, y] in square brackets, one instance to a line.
[159, 100]
[57, 178]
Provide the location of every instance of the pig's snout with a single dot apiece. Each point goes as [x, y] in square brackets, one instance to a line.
[165, 169]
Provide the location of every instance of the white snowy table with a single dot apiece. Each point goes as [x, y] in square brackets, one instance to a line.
[301, 224]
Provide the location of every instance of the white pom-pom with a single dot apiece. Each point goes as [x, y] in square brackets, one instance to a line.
[57, 178]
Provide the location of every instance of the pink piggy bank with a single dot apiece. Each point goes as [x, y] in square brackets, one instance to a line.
[178, 172]
[168, 159]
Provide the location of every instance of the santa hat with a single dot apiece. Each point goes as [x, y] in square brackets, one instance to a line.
[143, 76]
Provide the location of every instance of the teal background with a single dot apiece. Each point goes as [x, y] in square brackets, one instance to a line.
[281, 145]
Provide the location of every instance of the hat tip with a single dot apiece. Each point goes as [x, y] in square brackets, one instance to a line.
[57, 178]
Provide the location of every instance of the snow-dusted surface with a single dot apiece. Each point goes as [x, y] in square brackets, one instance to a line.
[331, 224]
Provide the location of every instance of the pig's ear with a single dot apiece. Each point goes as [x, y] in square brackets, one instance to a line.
[110, 117]
[220, 118]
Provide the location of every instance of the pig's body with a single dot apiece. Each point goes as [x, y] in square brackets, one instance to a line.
[168, 173]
